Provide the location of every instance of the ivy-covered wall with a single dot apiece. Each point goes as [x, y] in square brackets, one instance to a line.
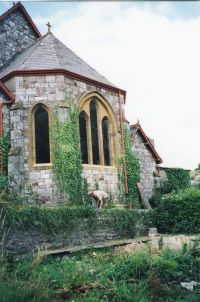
[37, 183]
[29, 228]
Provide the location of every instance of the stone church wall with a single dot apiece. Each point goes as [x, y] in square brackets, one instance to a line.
[147, 165]
[6, 114]
[50, 90]
[16, 35]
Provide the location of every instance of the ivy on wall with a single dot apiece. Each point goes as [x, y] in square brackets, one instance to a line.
[177, 179]
[5, 147]
[66, 155]
[47, 220]
[133, 170]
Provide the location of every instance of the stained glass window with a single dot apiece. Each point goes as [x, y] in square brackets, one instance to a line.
[83, 136]
[106, 143]
[42, 148]
[94, 132]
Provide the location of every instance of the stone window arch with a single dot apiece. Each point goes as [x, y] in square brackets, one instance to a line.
[41, 137]
[98, 131]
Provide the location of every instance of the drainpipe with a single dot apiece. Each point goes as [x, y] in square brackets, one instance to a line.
[122, 141]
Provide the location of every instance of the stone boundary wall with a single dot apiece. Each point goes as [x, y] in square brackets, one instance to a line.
[21, 242]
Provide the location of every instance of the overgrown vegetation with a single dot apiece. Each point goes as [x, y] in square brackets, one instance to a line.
[177, 179]
[66, 155]
[133, 170]
[101, 276]
[178, 212]
[5, 147]
[53, 220]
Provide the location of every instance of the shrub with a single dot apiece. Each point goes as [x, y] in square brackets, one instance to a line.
[178, 212]
[177, 179]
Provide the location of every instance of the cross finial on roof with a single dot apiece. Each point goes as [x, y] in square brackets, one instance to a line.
[49, 27]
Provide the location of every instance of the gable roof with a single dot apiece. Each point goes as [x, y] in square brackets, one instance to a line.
[136, 128]
[19, 6]
[7, 92]
[50, 54]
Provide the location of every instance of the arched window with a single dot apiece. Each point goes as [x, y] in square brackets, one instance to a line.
[94, 132]
[106, 144]
[98, 132]
[83, 136]
[42, 147]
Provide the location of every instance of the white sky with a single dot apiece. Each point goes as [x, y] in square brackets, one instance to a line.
[153, 53]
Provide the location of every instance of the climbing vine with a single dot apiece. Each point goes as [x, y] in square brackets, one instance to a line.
[5, 147]
[133, 170]
[66, 155]
[177, 179]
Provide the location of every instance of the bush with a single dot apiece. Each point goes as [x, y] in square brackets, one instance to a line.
[178, 212]
[177, 179]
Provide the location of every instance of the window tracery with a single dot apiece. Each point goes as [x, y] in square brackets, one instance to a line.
[96, 133]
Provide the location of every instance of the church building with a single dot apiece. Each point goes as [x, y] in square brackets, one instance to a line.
[38, 73]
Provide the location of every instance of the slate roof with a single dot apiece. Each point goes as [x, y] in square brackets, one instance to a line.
[50, 53]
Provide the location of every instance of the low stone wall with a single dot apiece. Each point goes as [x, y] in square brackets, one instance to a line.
[19, 242]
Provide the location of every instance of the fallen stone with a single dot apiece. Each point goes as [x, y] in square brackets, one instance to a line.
[189, 285]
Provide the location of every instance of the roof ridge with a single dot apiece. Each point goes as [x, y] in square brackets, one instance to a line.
[54, 46]
[34, 44]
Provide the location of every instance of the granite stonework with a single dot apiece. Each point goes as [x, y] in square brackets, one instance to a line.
[16, 35]
[148, 165]
[52, 91]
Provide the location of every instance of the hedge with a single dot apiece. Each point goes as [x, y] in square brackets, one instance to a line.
[178, 212]
[127, 223]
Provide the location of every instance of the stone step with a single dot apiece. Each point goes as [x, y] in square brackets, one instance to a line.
[99, 245]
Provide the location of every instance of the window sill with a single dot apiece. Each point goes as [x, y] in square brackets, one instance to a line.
[42, 166]
[98, 167]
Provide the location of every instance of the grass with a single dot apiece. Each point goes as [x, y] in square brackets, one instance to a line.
[101, 276]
